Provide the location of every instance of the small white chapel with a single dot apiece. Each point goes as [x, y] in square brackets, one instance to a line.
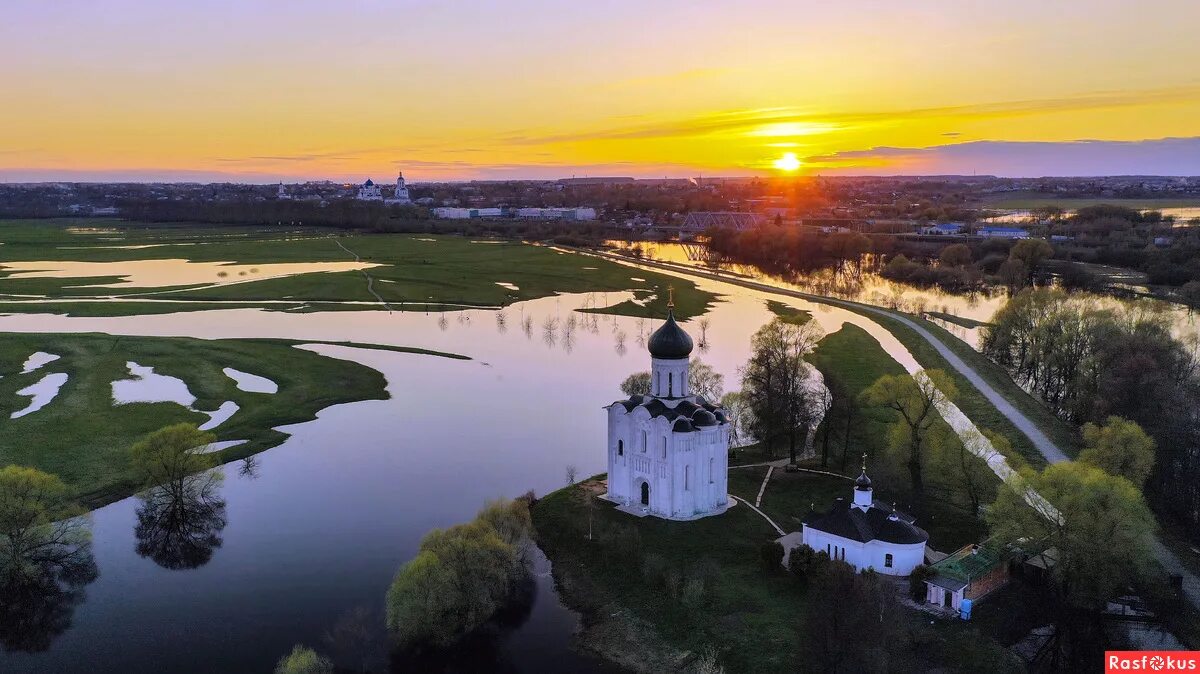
[867, 534]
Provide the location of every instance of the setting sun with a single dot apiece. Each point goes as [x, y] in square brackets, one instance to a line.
[788, 162]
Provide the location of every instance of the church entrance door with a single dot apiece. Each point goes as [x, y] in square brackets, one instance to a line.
[645, 493]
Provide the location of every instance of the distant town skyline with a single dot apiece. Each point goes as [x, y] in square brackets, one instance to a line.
[129, 90]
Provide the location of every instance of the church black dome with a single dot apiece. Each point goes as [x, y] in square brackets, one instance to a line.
[670, 342]
[863, 483]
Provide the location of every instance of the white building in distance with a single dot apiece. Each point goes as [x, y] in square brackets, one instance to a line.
[668, 452]
[369, 192]
[400, 198]
[866, 534]
[459, 213]
[282, 194]
[582, 213]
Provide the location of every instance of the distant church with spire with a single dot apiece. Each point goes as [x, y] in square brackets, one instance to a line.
[668, 452]
[400, 197]
[369, 191]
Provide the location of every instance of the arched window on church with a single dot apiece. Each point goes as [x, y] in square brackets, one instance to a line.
[687, 473]
[620, 448]
[711, 478]
[670, 384]
[664, 448]
[887, 560]
[645, 441]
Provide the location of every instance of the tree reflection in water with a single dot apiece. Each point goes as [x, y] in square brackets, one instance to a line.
[180, 523]
[481, 651]
[45, 558]
[37, 606]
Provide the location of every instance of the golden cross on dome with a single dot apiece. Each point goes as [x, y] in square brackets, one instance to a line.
[864, 470]
[670, 297]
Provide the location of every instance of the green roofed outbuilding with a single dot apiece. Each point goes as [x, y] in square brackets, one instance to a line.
[972, 572]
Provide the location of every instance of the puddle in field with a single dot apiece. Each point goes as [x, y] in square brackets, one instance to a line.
[505, 284]
[148, 387]
[172, 272]
[218, 416]
[42, 393]
[217, 446]
[37, 360]
[251, 383]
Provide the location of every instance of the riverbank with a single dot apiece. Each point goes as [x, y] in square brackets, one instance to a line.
[657, 595]
[979, 400]
[180, 267]
[83, 437]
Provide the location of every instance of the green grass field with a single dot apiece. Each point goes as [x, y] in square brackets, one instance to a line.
[857, 360]
[82, 437]
[416, 271]
[745, 613]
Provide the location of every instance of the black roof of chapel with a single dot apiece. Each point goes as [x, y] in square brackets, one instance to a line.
[879, 523]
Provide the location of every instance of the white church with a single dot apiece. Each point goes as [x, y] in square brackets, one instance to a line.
[668, 452]
[369, 191]
[400, 196]
[866, 534]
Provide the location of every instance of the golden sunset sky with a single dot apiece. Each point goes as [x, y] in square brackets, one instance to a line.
[450, 89]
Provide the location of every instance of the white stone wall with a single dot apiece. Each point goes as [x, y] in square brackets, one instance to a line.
[669, 378]
[687, 473]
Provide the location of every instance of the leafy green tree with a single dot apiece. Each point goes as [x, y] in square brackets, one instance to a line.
[705, 382]
[1031, 253]
[955, 255]
[45, 558]
[1119, 447]
[915, 400]
[849, 618]
[509, 518]
[775, 383]
[741, 418]
[967, 460]
[39, 522]
[167, 456]
[637, 383]
[1099, 541]
[460, 578]
[303, 660]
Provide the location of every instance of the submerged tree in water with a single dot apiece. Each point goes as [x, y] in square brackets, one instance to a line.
[182, 513]
[775, 383]
[303, 660]
[180, 527]
[45, 558]
[462, 578]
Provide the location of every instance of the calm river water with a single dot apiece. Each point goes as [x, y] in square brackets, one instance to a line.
[317, 527]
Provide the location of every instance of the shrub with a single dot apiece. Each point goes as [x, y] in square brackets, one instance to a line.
[460, 578]
[801, 560]
[303, 660]
[916, 582]
[772, 555]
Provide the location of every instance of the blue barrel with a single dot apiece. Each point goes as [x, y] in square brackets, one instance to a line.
[964, 609]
